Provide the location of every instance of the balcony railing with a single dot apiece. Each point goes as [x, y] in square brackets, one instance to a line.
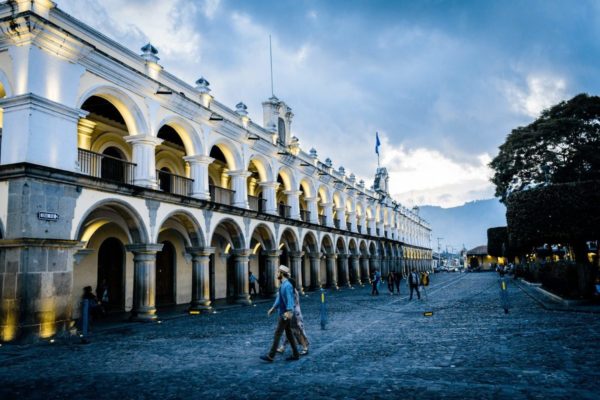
[368, 231]
[172, 183]
[377, 231]
[221, 195]
[322, 220]
[349, 226]
[257, 204]
[336, 223]
[284, 211]
[105, 167]
[359, 228]
[305, 215]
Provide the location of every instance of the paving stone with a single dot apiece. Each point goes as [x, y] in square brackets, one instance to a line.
[374, 347]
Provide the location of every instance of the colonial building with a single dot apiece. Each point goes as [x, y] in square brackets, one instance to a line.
[114, 172]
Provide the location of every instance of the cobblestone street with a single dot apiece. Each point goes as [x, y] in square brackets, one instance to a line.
[373, 347]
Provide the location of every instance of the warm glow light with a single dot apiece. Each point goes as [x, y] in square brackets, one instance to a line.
[281, 246]
[91, 229]
[256, 248]
[227, 248]
[9, 330]
[47, 318]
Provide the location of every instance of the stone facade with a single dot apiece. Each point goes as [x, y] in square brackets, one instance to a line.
[117, 175]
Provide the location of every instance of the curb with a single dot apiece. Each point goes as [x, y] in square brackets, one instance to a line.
[553, 302]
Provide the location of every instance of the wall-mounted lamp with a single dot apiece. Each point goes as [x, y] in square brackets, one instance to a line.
[215, 117]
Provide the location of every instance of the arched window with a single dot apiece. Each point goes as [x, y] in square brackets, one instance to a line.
[281, 131]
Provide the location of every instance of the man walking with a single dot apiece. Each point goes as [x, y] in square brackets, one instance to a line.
[413, 282]
[284, 304]
[397, 279]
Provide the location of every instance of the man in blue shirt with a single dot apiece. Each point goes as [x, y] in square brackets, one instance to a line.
[284, 304]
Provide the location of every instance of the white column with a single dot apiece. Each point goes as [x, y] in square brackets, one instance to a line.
[328, 212]
[352, 221]
[238, 183]
[340, 214]
[85, 129]
[371, 223]
[143, 156]
[269, 194]
[199, 173]
[311, 203]
[294, 203]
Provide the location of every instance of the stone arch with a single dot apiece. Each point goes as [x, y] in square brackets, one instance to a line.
[112, 139]
[310, 242]
[112, 211]
[186, 225]
[364, 249]
[327, 244]
[338, 199]
[127, 107]
[262, 235]
[307, 187]
[230, 151]
[263, 166]
[189, 136]
[340, 245]
[230, 231]
[288, 177]
[289, 239]
[352, 247]
[324, 193]
[373, 249]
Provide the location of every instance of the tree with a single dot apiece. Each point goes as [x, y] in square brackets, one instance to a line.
[497, 244]
[561, 146]
[548, 175]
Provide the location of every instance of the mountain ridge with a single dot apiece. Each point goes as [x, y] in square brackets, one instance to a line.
[463, 225]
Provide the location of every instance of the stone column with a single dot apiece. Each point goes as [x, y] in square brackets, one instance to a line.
[344, 279]
[144, 280]
[37, 284]
[296, 269]
[272, 263]
[238, 183]
[293, 200]
[242, 258]
[270, 196]
[315, 270]
[355, 265]
[364, 267]
[375, 263]
[199, 173]
[200, 278]
[331, 271]
[311, 203]
[144, 149]
[328, 213]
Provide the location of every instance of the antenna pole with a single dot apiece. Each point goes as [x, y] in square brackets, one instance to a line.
[271, 59]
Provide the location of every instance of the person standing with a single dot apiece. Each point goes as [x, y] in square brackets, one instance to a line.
[413, 282]
[390, 282]
[252, 282]
[375, 283]
[284, 304]
[397, 279]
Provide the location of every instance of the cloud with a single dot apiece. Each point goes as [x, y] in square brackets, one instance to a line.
[424, 176]
[542, 92]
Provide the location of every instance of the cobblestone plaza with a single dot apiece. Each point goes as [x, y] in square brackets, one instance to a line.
[373, 347]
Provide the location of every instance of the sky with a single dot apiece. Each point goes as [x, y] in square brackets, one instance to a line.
[443, 82]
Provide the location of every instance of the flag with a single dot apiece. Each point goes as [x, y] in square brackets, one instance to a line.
[377, 143]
